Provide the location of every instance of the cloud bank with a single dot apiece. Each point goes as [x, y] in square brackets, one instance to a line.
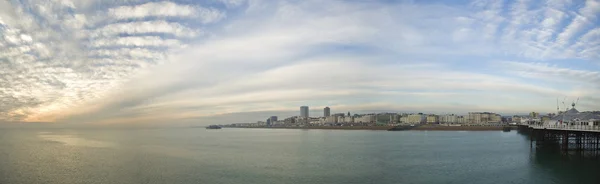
[168, 61]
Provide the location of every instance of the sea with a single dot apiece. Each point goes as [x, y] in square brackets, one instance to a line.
[260, 156]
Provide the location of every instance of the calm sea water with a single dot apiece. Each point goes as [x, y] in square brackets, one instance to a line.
[197, 155]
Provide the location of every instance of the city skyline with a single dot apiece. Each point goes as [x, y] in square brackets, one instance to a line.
[399, 119]
[107, 62]
[327, 113]
[439, 117]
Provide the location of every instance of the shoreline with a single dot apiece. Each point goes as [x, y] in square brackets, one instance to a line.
[386, 128]
[461, 128]
[326, 127]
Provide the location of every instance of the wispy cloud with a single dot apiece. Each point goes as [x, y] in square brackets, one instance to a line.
[148, 27]
[166, 9]
[140, 61]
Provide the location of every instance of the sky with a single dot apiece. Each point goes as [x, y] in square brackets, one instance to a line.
[219, 61]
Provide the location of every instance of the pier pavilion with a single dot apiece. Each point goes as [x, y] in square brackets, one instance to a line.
[570, 130]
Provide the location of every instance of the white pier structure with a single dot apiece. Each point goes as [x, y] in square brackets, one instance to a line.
[572, 119]
[569, 130]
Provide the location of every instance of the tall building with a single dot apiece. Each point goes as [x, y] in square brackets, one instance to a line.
[273, 119]
[304, 111]
[326, 112]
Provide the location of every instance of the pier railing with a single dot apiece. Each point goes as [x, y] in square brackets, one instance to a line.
[568, 127]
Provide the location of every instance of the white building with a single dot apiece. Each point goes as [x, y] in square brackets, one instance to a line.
[416, 118]
[573, 117]
[432, 118]
[461, 119]
[449, 119]
[331, 119]
[365, 119]
[346, 119]
[483, 118]
[404, 119]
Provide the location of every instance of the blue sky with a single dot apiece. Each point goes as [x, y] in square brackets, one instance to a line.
[139, 61]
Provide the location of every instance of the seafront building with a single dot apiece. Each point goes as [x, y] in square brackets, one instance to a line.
[345, 119]
[367, 118]
[331, 119]
[516, 119]
[449, 119]
[433, 119]
[395, 118]
[461, 119]
[304, 111]
[416, 118]
[290, 120]
[479, 118]
[315, 120]
[326, 112]
[403, 119]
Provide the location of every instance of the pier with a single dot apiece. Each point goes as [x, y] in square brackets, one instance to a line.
[564, 137]
[569, 130]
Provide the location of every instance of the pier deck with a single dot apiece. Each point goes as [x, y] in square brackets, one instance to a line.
[564, 137]
[583, 128]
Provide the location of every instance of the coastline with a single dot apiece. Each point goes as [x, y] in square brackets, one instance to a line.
[326, 127]
[385, 128]
[461, 128]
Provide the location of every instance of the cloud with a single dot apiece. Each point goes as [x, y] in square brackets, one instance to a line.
[133, 28]
[136, 41]
[583, 84]
[232, 3]
[141, 61]
[61, 54]
[128, 53]
[166, 9]
[553, 73]
[584, 18]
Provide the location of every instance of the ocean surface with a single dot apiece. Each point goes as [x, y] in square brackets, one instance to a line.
[236, 156]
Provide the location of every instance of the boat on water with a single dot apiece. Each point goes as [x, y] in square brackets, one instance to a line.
[402, 127]
[213, 127]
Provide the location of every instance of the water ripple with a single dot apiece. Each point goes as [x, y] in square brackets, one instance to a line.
[73, 140]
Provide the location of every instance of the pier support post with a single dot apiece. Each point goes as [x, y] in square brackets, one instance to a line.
[565, 140]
